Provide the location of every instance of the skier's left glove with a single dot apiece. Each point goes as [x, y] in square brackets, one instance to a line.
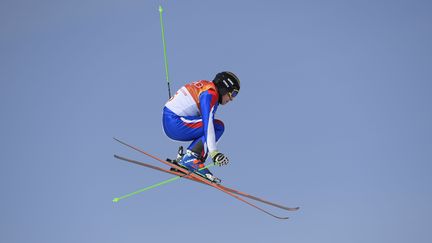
[219, 158]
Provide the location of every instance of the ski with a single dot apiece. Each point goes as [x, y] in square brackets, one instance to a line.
[197, 177]
[180, 174]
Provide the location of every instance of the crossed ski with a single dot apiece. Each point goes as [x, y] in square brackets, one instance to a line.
[181, 172]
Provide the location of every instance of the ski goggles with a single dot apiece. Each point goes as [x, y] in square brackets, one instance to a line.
[233, 93]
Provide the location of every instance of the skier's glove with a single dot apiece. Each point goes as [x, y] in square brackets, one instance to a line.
[219, 158]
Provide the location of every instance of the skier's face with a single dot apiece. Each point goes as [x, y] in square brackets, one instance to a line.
[226, 98]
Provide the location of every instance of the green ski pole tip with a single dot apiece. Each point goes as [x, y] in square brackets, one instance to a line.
[116, 199]
[160, 9]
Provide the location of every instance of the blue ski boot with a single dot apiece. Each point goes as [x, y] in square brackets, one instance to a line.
[193, 162]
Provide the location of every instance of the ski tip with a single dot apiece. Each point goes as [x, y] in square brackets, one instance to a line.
[116, 199]
[278, 217]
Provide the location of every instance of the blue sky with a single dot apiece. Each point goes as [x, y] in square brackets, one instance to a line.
[334, 116]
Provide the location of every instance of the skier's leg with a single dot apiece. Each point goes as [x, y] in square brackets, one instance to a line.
[197, 145]
[181, 128]
[191, 129]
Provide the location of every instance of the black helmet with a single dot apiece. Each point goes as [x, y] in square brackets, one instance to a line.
[227, 82]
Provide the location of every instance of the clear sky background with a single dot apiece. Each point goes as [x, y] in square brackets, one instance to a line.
[334, 116]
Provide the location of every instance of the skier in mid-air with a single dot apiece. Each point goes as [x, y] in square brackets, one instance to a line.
[189, 116]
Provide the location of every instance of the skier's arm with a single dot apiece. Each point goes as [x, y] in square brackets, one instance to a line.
[208, 106]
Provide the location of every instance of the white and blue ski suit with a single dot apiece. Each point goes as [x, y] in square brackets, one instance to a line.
[189, 116]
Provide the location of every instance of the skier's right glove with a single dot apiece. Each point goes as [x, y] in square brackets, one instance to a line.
[219, 158]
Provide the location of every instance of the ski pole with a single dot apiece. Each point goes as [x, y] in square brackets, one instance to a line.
[164, 50]
[156, 185]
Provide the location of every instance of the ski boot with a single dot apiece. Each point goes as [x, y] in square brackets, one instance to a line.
[195, 163]
[175, 161]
